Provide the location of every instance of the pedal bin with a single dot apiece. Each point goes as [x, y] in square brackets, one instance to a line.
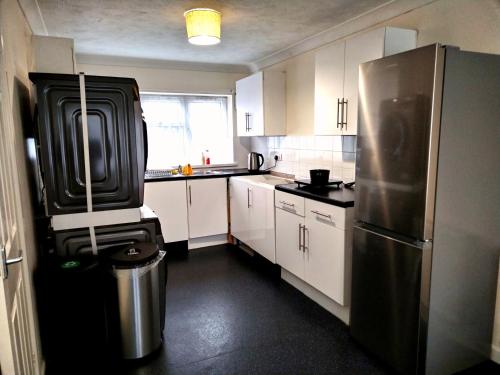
[137, 272]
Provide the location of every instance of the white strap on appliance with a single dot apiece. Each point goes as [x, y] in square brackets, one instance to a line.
[86, 158]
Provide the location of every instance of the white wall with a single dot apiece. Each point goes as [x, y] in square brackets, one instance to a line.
[18, 61]
[183, 81]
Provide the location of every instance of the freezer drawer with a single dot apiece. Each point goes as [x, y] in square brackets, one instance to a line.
[117, 142]
[386, 297]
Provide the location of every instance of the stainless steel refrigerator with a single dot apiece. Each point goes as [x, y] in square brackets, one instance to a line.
[427, 209]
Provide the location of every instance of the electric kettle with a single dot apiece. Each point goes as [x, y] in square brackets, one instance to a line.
[255, 161]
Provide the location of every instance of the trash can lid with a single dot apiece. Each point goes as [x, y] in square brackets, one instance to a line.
[135, 254]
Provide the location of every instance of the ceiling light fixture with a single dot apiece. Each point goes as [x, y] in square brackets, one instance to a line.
[203, 26]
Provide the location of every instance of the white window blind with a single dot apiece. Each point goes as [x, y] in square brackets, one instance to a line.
[181, 127]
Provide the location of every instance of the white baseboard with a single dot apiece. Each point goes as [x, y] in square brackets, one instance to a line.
[341, 312]
[196, 243]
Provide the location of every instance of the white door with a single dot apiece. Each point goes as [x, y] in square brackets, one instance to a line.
[250, 105]
[16, 314]
[359, 49]
[207, 207]
[328, 89]
[288, 252]
[324, 258]
[262, 238]
[168, 200]
[240, 210]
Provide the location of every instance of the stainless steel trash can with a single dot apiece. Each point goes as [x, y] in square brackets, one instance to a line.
[138, 274]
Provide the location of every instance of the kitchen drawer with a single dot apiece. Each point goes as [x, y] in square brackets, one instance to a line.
[289, 202]
[340, 218]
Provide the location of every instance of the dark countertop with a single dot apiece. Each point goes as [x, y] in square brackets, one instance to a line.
[213, 173]
[342, 197]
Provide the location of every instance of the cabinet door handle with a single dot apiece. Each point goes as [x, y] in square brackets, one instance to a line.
[338, 112]
[344, 113]
[300, 237]
[304, 247]
[190, 201]
[248, 197]
[249, 127]
[321, 214]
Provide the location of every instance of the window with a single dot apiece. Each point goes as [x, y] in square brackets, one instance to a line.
[181, 127]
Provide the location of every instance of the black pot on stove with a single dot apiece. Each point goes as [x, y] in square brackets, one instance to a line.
[319, 177]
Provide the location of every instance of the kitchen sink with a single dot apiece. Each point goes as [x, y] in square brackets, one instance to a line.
[206, 172]
[265, 180]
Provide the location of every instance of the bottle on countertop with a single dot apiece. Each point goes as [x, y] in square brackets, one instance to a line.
[203, 159]
[207, 157]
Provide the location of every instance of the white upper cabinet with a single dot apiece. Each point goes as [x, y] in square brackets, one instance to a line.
[260, 104]
[337, 72]
[328, 89]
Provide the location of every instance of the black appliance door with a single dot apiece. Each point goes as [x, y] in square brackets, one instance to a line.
[115, 142]
[385, 298]
[396, 96]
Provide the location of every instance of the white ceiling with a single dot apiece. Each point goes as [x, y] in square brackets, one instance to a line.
[155, 29]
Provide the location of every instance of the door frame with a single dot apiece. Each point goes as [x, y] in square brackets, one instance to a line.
[6, 113]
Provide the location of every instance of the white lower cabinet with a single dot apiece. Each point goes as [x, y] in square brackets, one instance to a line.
[207, 207]
[168, 200]
[289, 254]
[240, 209]
[252, 216]
[317, 247]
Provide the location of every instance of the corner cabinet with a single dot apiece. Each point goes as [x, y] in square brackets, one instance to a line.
[252, 216]
[336, 76]
[260, 104]
[207, 207]
[314, 242]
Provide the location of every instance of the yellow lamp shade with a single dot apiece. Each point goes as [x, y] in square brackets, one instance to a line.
[203, 26]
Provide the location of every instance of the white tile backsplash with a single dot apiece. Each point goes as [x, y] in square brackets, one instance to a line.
[300, 154]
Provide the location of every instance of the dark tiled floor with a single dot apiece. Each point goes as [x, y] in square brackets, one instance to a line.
[229, 313]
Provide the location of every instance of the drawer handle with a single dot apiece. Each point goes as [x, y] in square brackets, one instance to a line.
[287, 204]
[322, 215]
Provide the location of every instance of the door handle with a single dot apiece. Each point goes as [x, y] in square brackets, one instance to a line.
[247, 121]
[190, 200]
[248, 197]
[300, 237]
[338, 111]
[249, 127]
[323, 215]
[304, 247]
[344, 113]
[7, 262]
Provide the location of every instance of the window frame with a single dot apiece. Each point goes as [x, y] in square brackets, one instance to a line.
[230, 121]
